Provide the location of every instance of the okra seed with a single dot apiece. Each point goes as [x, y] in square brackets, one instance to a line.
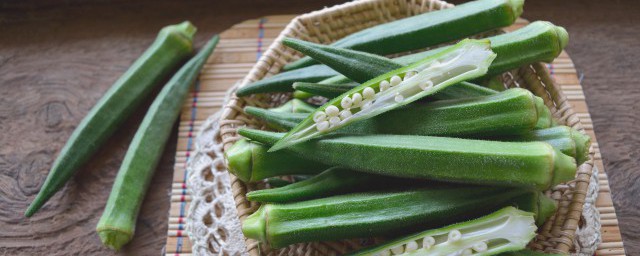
[467, 252]
[454, 235]
[368, 93]
[346, 102]
[334, 121]
[384, 85]
[395, 80]
[322, 126]
[427, 242]
[480, 247]
[344, 114]
[357, 99]
[319, 116]
[426, 85]
[399, 97]
[397, 250]
[412, 246]
[332, 111]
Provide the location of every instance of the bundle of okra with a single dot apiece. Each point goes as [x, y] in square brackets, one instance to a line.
[413, 143]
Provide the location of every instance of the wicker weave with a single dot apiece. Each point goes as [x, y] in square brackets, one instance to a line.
[333, 23]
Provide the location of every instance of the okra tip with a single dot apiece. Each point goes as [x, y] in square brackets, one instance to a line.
[564, 168]
[546, 208]
[254, 226]
[517, 6]
[583, 142]
[239, 158]
[563, 36]
[114, 238]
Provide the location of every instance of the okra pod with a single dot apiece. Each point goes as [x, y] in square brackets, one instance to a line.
[117, 224]
[373, 214]
[282, 82]
[527, 252]
[171, 47]
[428, 29]
[468, 59]
[294, 106]
[521, 164]
[506, 113]
[568, 140]
[250, 162]
[334, 181]
[356, 65]
[329, 91]
[508, 229]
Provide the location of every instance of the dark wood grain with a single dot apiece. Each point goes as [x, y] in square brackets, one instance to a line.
[58, 57]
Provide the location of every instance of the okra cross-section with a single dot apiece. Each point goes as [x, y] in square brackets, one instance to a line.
[506, 230]
[466, 60]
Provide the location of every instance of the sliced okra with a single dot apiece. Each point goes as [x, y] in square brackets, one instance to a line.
[506, 230]
[466, 60]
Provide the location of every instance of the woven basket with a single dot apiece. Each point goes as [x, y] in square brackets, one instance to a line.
[333, 23]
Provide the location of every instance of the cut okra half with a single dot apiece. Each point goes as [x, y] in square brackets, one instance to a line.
[506, 230]
[466, 60]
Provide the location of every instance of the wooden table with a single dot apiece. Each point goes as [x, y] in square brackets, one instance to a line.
[57, 59]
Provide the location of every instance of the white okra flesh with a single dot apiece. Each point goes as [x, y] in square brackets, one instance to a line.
[506, 230]
[471, 59]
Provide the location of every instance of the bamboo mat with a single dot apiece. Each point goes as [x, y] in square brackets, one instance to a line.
[241, 46]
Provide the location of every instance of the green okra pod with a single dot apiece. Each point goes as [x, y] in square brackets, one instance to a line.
[468, 59]
[282, 82]
[117, 224]
[372, 214]
[429, 29]
[172, 46]
[333, 181]
[521, 164]
[508, 229]
[566, 139]
[506, 113]
[294, 106]
[329, 91]
[250, 162]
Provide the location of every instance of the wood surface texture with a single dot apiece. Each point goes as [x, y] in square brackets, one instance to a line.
[58, 57]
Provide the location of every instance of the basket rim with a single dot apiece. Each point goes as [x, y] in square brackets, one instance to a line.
[551, 93]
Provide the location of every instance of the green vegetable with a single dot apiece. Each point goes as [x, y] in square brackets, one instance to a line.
[569, 141]
[507, 113]
[508, 229]
[355, 65]
[250, 162]
[170, 49]
[373, 214]
[282, 82]
[467, 60]
[294, 106]
[538, 41]
[329, 91]
[520, 164]
[118, 221]
[429, 29]
[545, 119]
[333, 181]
